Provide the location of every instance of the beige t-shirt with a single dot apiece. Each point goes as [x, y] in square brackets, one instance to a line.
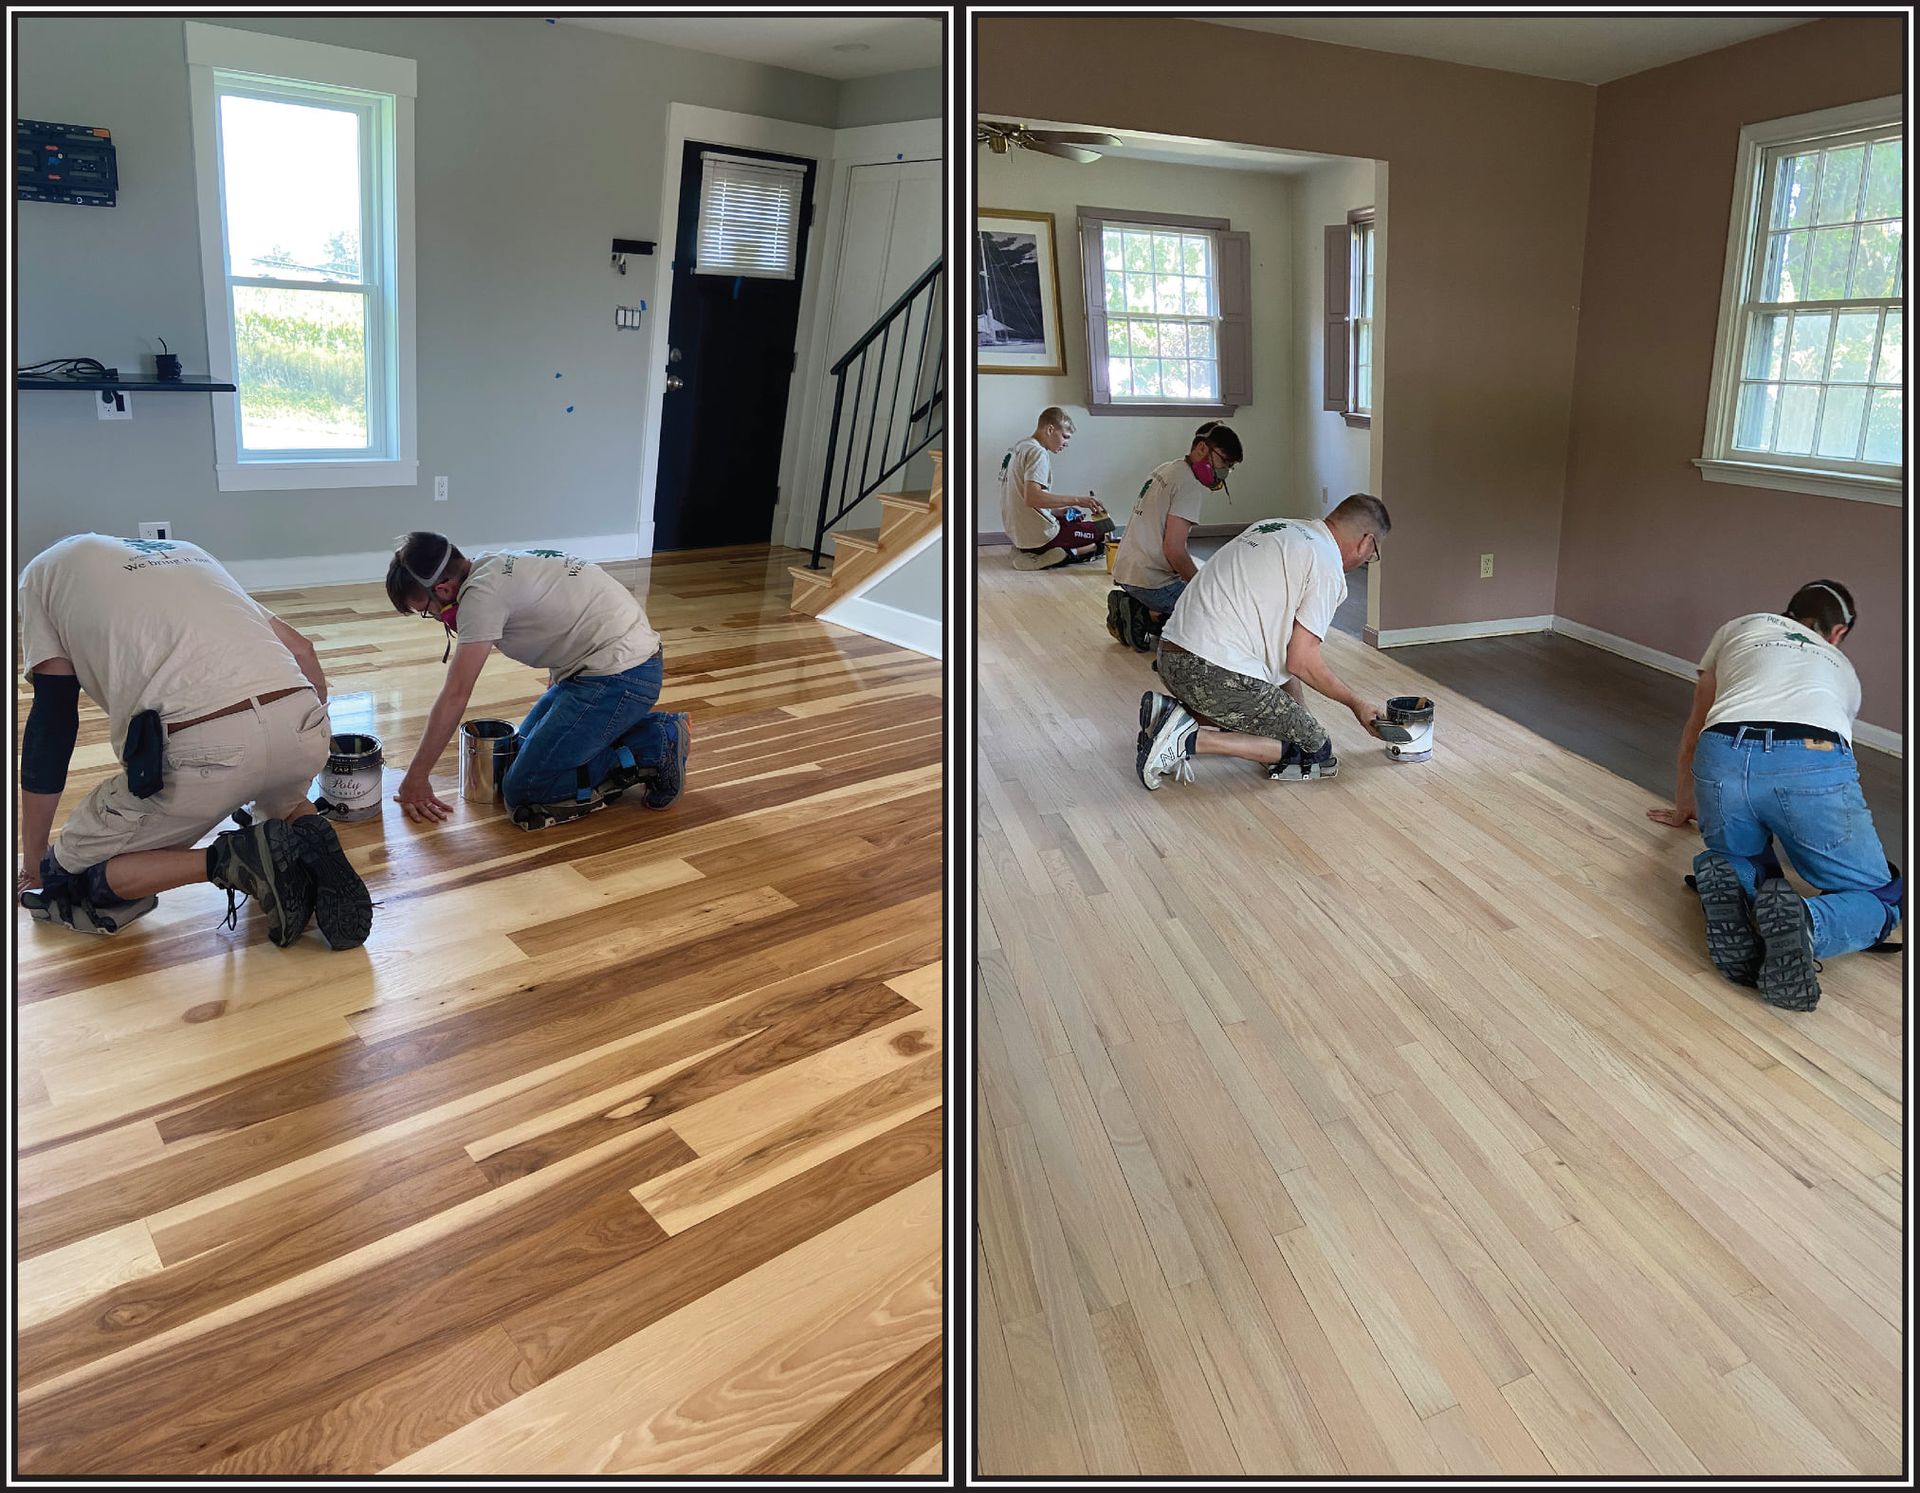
[1239, 611]
[555, 612]
[1769, 668]
[1030, 528]
[149, 624]
[1171, 489]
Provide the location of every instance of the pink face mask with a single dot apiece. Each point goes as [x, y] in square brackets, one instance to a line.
[1204, 474]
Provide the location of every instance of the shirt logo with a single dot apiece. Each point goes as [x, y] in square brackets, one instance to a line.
[149, 546]
[1272, 528]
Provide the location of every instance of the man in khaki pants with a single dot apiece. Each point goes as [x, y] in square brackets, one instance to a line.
[212, 703]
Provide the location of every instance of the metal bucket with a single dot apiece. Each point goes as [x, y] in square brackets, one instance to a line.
[486, 752]
[349, 787]
[1413, 714]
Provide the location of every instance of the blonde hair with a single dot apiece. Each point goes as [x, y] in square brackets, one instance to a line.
[1055, 416]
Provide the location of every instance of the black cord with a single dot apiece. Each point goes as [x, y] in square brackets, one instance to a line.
[66, 368]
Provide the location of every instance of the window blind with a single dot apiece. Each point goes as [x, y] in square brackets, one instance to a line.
[749, 217]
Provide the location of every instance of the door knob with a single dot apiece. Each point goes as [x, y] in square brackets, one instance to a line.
[674, 381]
[673, 355]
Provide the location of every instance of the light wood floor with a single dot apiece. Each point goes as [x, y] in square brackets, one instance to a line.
[616, 1150]
[1397, 1123]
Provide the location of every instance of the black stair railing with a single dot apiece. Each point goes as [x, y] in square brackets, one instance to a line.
[907, 332]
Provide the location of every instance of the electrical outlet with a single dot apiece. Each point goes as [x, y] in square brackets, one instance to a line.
[439, 489]
[158, 529]
[114, 404]
[1486, 567]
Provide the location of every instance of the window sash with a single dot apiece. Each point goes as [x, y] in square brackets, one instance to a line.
[1359, 316]
[1156, 319]
[377, 253]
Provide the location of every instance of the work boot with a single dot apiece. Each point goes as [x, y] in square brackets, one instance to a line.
[671, 776]
[262, 861]
[1732, 944]
[344, 906]
[1117, 617]
[1788, 971]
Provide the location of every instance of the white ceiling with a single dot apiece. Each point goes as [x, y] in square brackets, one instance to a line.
[1180, 150]
[1578, 49]
[804, 43]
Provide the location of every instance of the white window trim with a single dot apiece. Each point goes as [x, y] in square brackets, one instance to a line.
[1357, 233]
[210, 47]
[1716, 463]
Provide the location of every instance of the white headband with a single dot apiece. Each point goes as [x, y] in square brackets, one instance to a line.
[1845, 612]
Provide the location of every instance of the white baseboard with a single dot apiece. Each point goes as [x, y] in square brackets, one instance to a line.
[300, 571]
[1453, 632]
[1878, 738]
[889, 624]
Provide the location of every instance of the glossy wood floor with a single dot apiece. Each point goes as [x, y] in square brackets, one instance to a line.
[1397, 1123]
[617, 1149]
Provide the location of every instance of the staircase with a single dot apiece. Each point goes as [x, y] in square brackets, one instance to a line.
[861, 554]
[873, 400]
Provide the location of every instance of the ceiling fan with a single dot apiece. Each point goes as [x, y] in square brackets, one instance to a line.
[1067, 144]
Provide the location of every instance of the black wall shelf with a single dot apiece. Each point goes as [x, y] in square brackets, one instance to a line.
[190, 382]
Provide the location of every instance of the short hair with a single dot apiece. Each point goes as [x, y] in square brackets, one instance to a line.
[1055, 416]
[1824, 605]
[417, 558]
[1220, 434]
[1362, 511]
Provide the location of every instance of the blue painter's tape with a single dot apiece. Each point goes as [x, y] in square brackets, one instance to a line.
[556, 375]
[569, 409]
[899, 155]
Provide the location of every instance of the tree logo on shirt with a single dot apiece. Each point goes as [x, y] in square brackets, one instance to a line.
[1272, 528]
[1796, 637]
[150, 546]
[545, 554]
[1005, 462]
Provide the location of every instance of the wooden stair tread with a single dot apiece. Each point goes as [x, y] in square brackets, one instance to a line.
[821, 577]
[920, 500]
[862, 539]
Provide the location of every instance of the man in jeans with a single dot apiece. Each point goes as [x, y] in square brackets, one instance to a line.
[594, 733]
[1768, 755]
[1153, 565]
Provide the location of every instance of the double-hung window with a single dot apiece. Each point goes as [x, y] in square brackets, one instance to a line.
[1168, 313]
[304, 160]
[1348, 358]
[1807, 390]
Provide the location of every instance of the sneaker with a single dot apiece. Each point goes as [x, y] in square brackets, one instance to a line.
[1168, 748]
[1153, 711]
[1732, 944]
[1787, 976]
[262, 861]
[1300, 766]
[671, 776]
[344, 907]
[1045, 560]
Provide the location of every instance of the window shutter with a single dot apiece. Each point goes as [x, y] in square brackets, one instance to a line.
[1093, 282]
[1236, 317]
[1336, 301]
[749, 217]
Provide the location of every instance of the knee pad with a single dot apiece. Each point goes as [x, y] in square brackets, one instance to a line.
[1891, 893]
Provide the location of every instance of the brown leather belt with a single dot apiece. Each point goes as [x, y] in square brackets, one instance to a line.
[266, 699]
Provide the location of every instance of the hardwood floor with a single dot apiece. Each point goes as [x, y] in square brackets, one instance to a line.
[617, 1149]
[1397, 1123]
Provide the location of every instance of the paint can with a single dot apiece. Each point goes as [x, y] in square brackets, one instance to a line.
[349, 787]
[1408, 728]
[487, 750]
[1112, 547]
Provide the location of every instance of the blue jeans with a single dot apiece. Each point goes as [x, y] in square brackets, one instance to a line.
[1753, 789]
[1158, 599]
[584, 722]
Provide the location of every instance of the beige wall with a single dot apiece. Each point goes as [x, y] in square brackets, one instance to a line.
[1112, 454]
[1331, 458]
[1650, 551]
[1489, 176]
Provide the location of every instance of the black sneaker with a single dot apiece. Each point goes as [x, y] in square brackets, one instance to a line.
[344, 906]
[262, 861]
[671, 775]
[1787, 976]
[1732, 944]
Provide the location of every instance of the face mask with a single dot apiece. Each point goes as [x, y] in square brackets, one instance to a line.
[1204, 474]
[447, 617]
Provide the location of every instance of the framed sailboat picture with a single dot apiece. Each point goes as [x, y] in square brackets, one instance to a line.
[1017, 294]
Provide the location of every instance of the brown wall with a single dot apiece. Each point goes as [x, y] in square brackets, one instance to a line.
[1487, 178]
[1649, 550]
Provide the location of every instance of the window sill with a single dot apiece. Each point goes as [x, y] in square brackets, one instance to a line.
[1358, 422]
[1186, 411]
[1887, 491]
[309, 476]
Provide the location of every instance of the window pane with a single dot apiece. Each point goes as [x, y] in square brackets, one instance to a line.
[1807, 355]
[1193, 299]
[1174, 380]
[1753, 421]
[1116, 339]
[1884, 426]
[1883, 180]
[290, 175]
[1840, 422]
[1767, 345]
[302, 368]
[1369, 243]
[1854, 333]
[1364, 352]
[1193, 255]
[1110, 249]
[1146, 379]
[1116, 293]
[1166, 253]
[1786, 278]
[1793, 191]
[1200, 378]
[1799, 404]
[1141, 342]
[1891, 336]
[1200, 340]
[1137, 250]
[1169, 298]
[1119, 378]
[1173, 339]
[1840, 185]
[1827, 271]
[1139, 293]
[1363, 386]
[1873, 263]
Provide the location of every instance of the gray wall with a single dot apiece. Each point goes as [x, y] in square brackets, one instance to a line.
[893, 97]
[918, 586]
[535, 145]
